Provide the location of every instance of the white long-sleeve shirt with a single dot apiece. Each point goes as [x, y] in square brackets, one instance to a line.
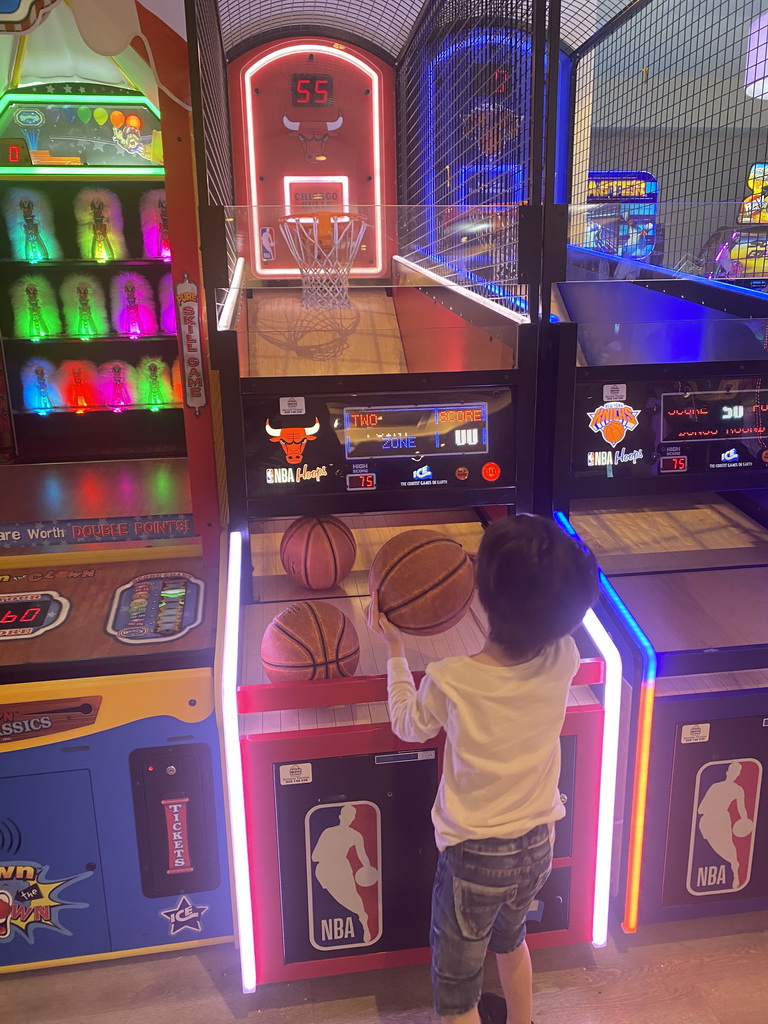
[502, 748]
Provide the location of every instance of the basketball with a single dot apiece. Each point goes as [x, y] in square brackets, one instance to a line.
[613, 432]
[367, 875]
[425, 581]
[742, 827]
[309, 640]
[317, 552]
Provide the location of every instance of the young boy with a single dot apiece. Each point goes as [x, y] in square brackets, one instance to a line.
[502, 710]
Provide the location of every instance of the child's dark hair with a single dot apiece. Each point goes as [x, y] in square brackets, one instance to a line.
[535, 583]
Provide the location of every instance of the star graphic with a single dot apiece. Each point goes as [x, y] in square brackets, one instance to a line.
[81, 89]
[49, 88]
[67, 88]
[184, 915]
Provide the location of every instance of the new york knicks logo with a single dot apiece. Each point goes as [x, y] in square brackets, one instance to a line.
[343, 853]
[613, 420]
[723, 826]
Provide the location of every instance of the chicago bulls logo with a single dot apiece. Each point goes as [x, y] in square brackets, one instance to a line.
[313, 135]
[613, 420]
[293, 439]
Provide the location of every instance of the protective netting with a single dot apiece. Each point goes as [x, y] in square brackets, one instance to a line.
[324, 246]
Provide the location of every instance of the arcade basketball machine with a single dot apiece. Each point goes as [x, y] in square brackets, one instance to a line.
[112, 832]
[662, 458]
[385, 387]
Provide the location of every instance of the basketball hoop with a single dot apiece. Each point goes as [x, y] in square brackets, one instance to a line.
[324, 245]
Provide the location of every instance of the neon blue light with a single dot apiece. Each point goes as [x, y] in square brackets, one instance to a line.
[516, 44]
[711, 282]
[647, 650]
[515, 301]
[514, 175]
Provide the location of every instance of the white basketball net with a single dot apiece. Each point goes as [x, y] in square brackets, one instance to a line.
[324, 246]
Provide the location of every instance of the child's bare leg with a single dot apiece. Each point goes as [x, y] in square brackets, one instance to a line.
[516, 979]
[473, 1017]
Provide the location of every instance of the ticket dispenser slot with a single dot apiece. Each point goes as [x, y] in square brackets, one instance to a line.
[173, 802]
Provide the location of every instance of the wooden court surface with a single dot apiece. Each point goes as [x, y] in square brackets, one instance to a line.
[83, 635]
[692, 569]
[630, 535]
[274, 590]
[283, 339]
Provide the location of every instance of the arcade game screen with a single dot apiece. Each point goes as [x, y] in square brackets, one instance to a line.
[621, 213]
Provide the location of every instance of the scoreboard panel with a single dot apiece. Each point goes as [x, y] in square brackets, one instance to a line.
[360, 452]
[694, 433]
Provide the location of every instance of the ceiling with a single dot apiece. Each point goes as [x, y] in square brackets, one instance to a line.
[384, 24]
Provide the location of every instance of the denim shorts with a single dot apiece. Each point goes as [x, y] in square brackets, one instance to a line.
[483, 890]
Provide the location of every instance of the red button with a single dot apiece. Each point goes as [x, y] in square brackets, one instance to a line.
[491, 471]
[462, 473]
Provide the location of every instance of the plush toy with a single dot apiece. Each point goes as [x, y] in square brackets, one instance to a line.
[85, 311]
[39, 385]
[29, 219]
[99, 225]
[35, 310]
[133, 306]
[154, 225]
[154, 383]
[117, 385]
[78, 384]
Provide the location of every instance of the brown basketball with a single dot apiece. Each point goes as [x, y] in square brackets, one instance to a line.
[309, 640]
[318, 551]
[613, 432]
[424, 580]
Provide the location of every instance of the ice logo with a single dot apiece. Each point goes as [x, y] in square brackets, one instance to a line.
[723, 826]
[343, 854]
[422, 473]
[730, 456]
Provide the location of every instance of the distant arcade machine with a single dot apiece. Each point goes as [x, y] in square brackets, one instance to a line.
[739, 253]
[621, 213]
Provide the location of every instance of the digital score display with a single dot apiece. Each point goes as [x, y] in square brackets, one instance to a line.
[492, 80]
[384, 432]
[312, 90]
[361, 481]
[714, 416]
[673, 464]
[14, 153]
[24, 613]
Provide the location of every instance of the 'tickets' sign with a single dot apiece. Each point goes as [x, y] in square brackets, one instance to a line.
[179, 860]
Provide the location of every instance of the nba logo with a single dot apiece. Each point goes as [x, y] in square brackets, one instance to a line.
[343, 854]
[723, 826]
[267, 244]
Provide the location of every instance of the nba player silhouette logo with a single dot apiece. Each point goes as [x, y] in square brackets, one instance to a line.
[723, 826]
[343, 853]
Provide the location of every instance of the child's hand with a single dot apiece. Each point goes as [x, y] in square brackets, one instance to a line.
[380, 624]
